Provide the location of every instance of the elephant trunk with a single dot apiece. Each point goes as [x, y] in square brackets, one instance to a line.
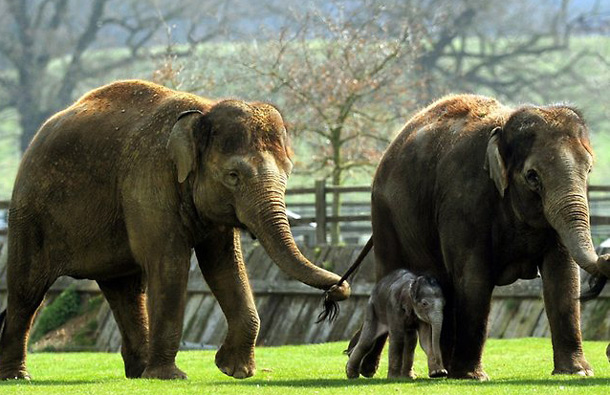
[568, 214]
[265, 215]
[436, 342]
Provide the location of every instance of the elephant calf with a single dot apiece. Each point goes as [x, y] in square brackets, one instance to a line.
[402, 304]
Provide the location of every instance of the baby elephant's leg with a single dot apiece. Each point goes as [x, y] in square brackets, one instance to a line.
[402, 346]
[435, 368]
[408, 356]
[371, 329]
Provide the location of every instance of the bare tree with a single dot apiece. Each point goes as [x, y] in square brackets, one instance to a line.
[341, 78]
[516, 50]
[48, 48]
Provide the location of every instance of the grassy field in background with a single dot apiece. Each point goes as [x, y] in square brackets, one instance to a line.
[517, 366]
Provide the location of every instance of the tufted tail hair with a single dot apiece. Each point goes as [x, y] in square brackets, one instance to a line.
[331, 309]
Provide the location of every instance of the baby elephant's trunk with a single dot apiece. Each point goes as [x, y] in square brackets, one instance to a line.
[436, 343]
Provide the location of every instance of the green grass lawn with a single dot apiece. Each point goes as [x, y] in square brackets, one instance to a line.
[515, 366]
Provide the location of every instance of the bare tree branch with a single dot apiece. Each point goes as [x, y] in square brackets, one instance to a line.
[72, 74]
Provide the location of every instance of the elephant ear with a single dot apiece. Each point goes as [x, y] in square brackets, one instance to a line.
[181, 143]
[495, 163]
[414, 290]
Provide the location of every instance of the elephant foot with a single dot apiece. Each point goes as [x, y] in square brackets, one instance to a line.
[351, 372]
[19, 374]
[437, 373]
[233, 363]
[581, 372]
[608, 352]
[578, 366]
[134, 364]
[410, 375]
[369, 366]
[478, 374]
[164, 372]
[577, 372]
[134, 369]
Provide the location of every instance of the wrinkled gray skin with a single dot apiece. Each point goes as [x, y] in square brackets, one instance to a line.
[121, 187]
[477, 194]
[402, 305]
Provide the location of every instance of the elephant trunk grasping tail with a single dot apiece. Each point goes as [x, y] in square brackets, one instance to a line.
[331, 307]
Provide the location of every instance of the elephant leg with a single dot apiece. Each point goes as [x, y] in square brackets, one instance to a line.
[409, 342]
[370, 362]
[371, 330]
[27, 285]
[471, 303]
[388, 257]
[424, 331]
[561, 289]
[166, 298]
[221, 263]
[163, 252]
[128, 303]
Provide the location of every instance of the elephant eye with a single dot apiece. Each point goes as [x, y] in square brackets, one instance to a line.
[232, 178]
[424, 303]
[533, 179]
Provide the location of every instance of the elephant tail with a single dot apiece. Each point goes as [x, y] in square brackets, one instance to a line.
[331, 307]
[596, 286]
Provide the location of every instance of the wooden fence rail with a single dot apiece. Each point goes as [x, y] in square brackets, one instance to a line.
[315, 200]
[289, 309]
[598, 194]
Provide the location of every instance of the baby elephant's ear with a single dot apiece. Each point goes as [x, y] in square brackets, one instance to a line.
[181, 143]
[415, 287]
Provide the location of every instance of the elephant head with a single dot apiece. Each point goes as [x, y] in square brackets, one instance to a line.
[428, 305]
[236, 161]
[541, 158]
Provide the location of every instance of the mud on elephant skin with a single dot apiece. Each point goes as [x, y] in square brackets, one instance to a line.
[404, 306]
[477, 194]
[120, 187]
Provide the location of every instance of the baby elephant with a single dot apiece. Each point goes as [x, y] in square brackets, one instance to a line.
[402, 304]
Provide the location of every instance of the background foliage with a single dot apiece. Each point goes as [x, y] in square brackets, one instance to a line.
[346, 73]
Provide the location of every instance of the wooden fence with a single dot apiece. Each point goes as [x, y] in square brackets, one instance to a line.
[359, 217]
[321, 208]
[288, 309]
[315, 206]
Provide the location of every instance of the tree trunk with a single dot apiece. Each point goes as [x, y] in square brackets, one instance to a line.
[30, 122]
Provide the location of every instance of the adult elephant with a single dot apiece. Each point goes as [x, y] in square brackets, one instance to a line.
[120, 187]
[477, 194]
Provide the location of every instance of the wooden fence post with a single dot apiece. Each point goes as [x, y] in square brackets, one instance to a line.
[320, 212]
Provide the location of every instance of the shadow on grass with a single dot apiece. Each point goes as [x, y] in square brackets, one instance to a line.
[330, 383]
[40, 383]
